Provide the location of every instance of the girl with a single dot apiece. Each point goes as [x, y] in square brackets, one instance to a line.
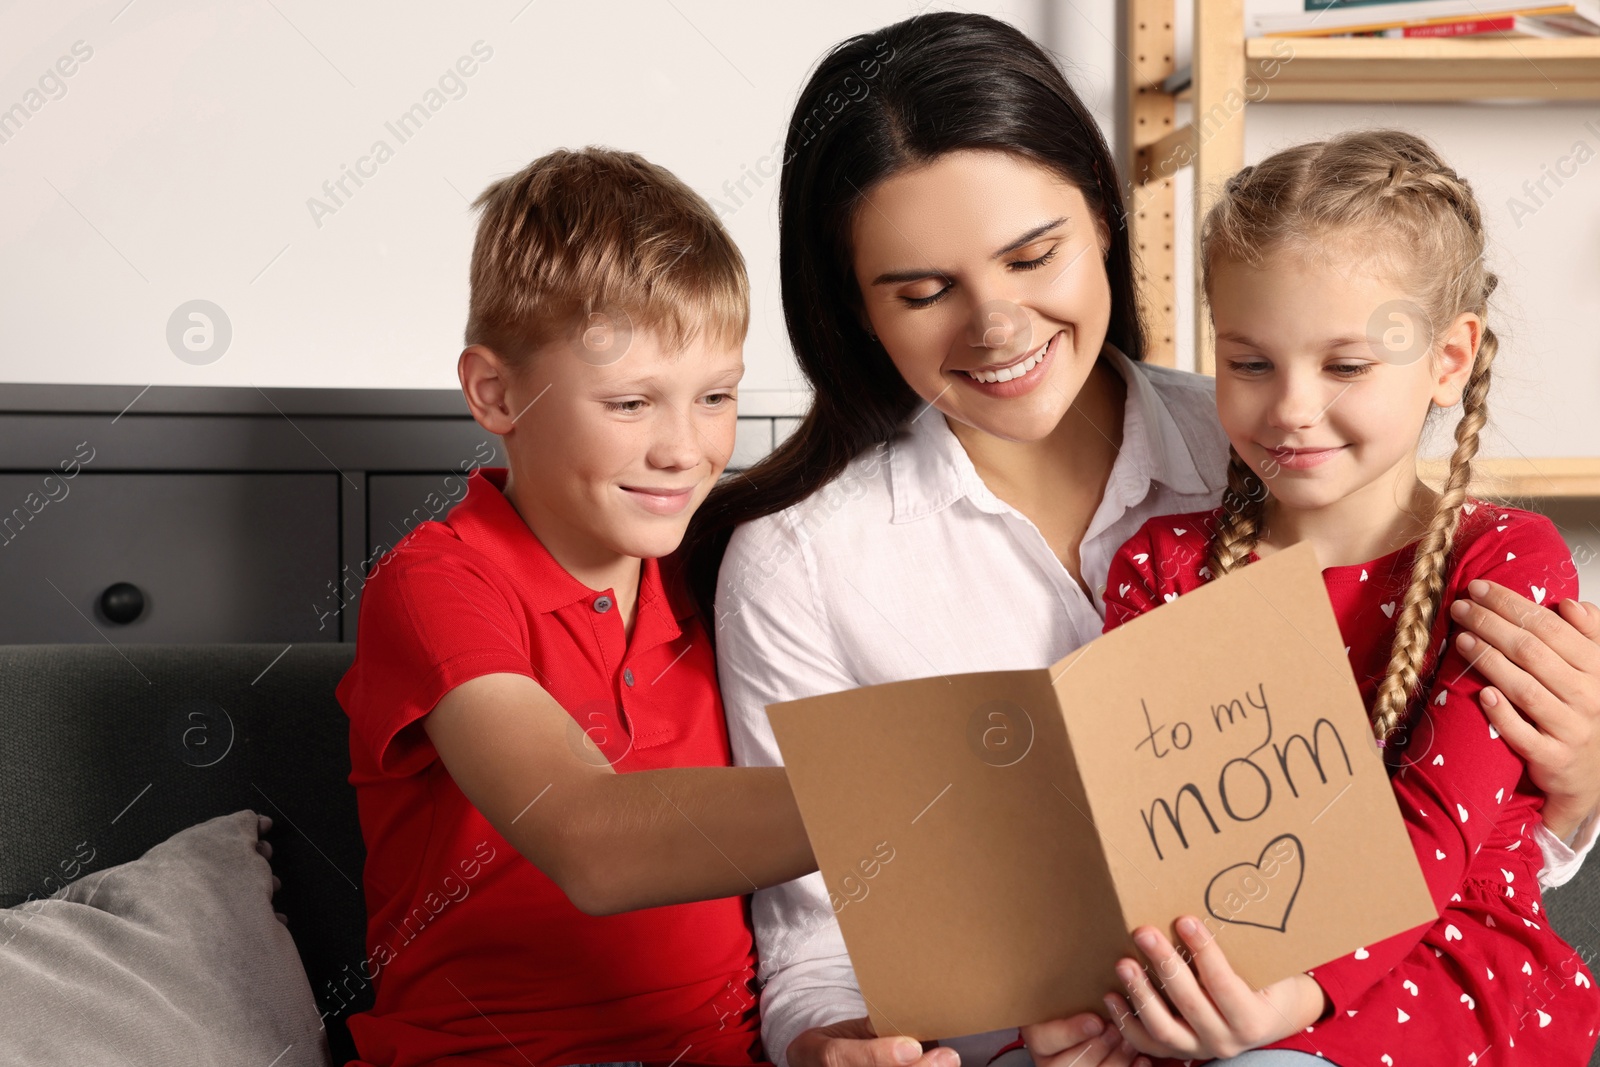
[959, 289]
[1349, 295]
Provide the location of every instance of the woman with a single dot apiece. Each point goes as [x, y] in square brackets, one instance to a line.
[959, 289]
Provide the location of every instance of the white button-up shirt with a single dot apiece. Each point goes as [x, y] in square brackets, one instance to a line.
[908, 566]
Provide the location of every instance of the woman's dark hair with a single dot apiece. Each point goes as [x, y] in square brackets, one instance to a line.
[876, 105]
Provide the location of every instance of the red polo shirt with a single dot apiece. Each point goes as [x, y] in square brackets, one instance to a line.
[476, 955]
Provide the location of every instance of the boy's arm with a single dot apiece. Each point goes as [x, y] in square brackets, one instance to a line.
[613, 842]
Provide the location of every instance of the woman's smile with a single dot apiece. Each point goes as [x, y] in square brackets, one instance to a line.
[1015, 378]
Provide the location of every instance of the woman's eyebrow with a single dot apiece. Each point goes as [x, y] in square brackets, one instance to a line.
[916, 274]
[1032, 235]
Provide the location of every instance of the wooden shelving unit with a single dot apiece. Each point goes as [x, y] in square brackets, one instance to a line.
[1526, 479]
[1230, 71]
[1372, 70]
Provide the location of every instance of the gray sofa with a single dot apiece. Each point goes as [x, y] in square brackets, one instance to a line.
[125, 746]
[122, 747]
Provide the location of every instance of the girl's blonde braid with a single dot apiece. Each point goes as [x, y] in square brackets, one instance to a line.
[1239, 530]
[1413, 633]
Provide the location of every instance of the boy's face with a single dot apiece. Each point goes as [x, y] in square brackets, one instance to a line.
[611, 454]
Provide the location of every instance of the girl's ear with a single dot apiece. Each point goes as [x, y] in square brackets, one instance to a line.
[1458, 353]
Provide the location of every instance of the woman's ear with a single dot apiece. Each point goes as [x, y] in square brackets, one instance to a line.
[866, 323]
[1458, 354]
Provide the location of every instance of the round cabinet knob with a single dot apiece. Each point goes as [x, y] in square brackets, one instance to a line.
[122, 602]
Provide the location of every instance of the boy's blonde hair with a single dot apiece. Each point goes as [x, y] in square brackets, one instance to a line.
[595, 231]
[1382, 195]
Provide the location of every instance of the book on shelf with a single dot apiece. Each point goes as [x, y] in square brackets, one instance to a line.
[1344, 17]
[1500, 26]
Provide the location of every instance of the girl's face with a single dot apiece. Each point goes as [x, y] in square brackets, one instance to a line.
[983, 276]
[1325, 376]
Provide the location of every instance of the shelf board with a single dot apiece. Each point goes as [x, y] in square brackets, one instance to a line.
[1524, 479]
[1376, 69]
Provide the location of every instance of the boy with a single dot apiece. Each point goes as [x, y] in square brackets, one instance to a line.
[536, 737]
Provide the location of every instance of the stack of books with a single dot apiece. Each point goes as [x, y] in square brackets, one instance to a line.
[1489, 19]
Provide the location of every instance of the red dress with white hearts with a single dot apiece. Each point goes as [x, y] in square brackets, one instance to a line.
[1489, 982]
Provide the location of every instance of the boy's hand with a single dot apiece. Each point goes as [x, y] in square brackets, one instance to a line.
[1081, 1041]
[1219, 1014]
[853, 1043]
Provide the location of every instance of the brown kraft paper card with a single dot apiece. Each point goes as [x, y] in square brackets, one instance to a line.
[989, 840]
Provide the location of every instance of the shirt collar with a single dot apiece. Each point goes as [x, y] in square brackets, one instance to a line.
[485, 520]
[1167, 456]
[929, 470]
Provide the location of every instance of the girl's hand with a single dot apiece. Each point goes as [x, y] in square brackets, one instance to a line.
[1546, 665]
[1219, 1014]
[1081, 1041]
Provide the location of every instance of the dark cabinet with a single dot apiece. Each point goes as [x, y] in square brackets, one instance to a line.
[166, 558]
[398, 503]
[176, 514]
[179, 514]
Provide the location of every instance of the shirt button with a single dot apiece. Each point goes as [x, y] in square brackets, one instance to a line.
[602, 604]
[627, 676]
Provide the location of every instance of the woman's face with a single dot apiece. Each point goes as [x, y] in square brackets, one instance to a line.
[983, 275]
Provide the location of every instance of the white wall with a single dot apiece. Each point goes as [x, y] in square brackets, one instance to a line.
[179, 160]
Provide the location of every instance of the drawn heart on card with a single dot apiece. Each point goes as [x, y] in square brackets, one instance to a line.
[1261, 893]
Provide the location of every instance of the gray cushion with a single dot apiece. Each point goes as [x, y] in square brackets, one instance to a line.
[173, 958]
[109, 750]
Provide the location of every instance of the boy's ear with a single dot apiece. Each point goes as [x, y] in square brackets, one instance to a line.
[486, 381]
[1458, 354]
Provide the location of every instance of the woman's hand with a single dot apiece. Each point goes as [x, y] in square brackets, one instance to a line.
[853, 1043]
[1081, 1041]
[1546, 665]
[1219, 1013]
